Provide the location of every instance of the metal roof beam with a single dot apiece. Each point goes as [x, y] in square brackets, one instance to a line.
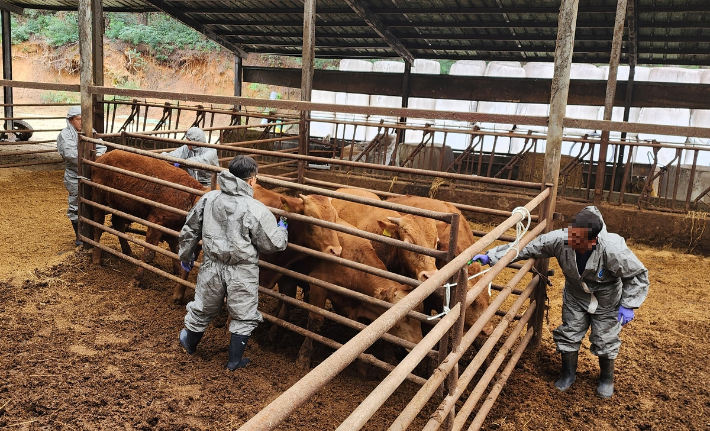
[10, 7]
[443, 11]
[180, 16]
[373, 21]
[74, 8]
[454, 24]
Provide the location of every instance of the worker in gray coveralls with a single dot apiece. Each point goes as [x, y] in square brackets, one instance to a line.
[193, 153]
[234, 228]
[68, 148]
[604, 283]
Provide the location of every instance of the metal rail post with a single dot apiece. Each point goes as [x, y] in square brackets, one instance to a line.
[7, 65]
[609, 100]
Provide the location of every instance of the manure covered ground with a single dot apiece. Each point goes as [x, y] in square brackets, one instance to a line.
[81, 347]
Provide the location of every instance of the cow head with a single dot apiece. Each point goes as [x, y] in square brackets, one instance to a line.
[479, 305]
[406, 328]
[320, 238]
[414, 230]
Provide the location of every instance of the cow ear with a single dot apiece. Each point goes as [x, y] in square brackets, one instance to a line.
[292, 205]
[388, 228]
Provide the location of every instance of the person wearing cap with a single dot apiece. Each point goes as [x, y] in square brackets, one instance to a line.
[68, 148]
[604, 283]
[193, 153]
[234, 228]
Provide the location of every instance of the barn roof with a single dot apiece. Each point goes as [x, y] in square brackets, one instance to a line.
[668, 31]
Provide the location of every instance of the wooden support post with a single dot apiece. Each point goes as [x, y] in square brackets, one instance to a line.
[609, 100]
[307, 57]
[566, 26]
[86, 71]
[238, 81]
[633, 51]
[97, 50]
[7, 65]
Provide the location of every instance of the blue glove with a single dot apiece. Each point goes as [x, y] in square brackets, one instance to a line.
[187, 266]
[282, 223]
[177, 165]
[482, 258]
[626, 315]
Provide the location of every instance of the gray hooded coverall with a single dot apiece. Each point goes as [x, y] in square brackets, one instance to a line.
[197, 154]
[67, 146]
[613, 277]
[234, 228]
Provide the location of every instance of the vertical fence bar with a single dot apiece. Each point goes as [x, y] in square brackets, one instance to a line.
[452, 380]
[453, 242]
[7, 66]
[691, 179]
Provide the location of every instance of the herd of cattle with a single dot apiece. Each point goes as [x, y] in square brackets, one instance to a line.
[405, 227]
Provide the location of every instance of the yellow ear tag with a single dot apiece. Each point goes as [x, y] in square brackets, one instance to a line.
[287, 208]
[386, 233]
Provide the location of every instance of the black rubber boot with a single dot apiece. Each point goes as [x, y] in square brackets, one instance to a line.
[190, 340]
[605, 389]
[75, 225]
[569, 371]
[237, 344]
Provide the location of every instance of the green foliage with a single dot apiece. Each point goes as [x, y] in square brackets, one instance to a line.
[59, 97]
[446, 66]
[162, 34]
[57, 29]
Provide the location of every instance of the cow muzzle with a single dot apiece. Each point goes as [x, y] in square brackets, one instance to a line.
[335, 251]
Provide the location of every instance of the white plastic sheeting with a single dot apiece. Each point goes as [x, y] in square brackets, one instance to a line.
[700, 118]
[533, 70]
[320, 129]
[458, 140]
[381, 101]
[617, 114]
[505, 69]
[666, 116]
[353, 99]
[426, 67]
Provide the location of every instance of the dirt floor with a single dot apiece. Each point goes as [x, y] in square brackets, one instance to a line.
[83, 348]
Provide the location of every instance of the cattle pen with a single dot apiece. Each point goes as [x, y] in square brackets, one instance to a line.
[512, 183]
[445, 343]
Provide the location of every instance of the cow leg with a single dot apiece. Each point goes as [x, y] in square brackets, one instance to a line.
[315, 323]
[288, 286]
[179, 291]
[99, 217]
[152, 236]
[121, 224]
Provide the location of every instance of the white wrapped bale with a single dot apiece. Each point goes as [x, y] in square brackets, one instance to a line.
[381, 101]
[353, 99]
[505, 69]
[322, 129]
[422, 67]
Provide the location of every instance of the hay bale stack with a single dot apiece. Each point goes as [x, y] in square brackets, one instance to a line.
[528, 172]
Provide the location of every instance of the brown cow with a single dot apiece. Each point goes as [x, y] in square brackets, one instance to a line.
[359, 250]
[148, 190]
[299, 233]
[408, 228]
[465, 240]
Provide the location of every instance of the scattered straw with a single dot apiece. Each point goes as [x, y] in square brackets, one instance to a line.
[434, 189]
[394, 180]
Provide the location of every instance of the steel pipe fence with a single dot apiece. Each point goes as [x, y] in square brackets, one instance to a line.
[448, 335]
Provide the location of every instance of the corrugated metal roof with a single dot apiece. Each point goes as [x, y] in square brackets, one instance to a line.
[674, 32]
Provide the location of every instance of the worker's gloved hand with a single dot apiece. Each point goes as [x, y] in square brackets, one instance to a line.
[626, 315]
[177, 165]
[482, 258]
[187, 266]
[283, 222]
